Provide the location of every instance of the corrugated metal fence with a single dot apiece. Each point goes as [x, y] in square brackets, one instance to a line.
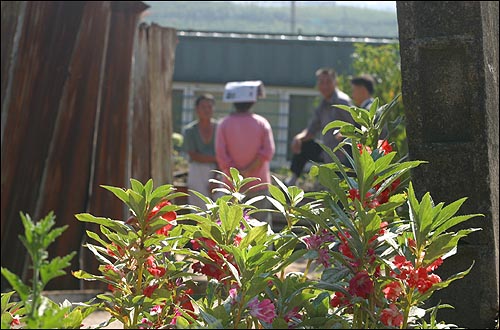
[79, 112]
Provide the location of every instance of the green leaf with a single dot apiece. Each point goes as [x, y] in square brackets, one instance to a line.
[336, 160]
[118, 192]
[359, 115]
[373, 108]
[137, 186]
[83, 275]
[334, 124]
[29, 228]
[50, 237]
[115, 225]
[213, 323]
[277, 194]
[22, 289]
[96, 237]
[443, 244]
[159, 193]
[425, 216]
[394, 202]
[444, 284]
[277, 205]
[55, 267]
[204, 198]
[98, 256]
[447, 212]
[5, 300]
[253, 234]
[297, 254]
[137, 203]
[328, 178]
[148, 188]
[235, 175]
[282, 186]
[398, 168]
[454, 221]
[384, 161]
[230, 217]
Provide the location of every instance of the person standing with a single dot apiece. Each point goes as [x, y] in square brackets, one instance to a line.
[199, 144]
[303, 145]
[244, 140]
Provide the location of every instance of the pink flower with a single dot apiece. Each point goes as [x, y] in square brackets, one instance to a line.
[324, 257]
[233, 293]
[146, 322]
[155, 310]
[391, 316]
[361, 285]
[263, 310]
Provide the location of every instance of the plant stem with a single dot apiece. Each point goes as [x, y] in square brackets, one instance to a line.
[306, 271]
[407, 311]
[35, 281]
[138, 291]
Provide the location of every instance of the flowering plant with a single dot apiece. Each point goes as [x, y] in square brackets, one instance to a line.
[373, 245]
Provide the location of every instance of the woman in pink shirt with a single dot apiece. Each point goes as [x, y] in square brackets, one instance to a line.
[244, 140]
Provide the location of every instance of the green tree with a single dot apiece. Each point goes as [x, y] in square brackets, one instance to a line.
[384, 64]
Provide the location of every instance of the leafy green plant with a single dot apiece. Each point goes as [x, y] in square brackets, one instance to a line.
[373, 246]
[34, 310]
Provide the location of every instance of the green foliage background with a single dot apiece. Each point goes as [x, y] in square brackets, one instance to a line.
[226, 16]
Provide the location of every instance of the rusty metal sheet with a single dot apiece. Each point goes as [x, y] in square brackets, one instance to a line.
[162, 44]
[12, 17]
[140, 155]
[111, 149]
[66, 176]
[69, 125]
[44, 51]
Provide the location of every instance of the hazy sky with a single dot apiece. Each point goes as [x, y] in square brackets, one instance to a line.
[379, 5]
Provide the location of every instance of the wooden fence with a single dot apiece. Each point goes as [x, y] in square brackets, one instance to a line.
[85, 102]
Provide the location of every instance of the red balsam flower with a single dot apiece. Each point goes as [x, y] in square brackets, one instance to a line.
[169, 217]
[391, 316]
[361, 285]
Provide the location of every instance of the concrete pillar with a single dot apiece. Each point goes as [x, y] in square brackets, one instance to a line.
[449, 64]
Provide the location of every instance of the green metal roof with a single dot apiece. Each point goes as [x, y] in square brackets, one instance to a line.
[277, 60]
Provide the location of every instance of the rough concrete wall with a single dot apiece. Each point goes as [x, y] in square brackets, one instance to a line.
[451, 102]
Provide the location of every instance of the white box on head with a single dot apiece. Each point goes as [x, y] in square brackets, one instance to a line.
[243, 91]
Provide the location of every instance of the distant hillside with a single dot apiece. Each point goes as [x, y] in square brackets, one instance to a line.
[223, 16]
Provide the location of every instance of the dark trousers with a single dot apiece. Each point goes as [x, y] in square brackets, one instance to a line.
[310, 150]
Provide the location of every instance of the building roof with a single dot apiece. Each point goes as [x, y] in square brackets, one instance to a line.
[276, 59]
